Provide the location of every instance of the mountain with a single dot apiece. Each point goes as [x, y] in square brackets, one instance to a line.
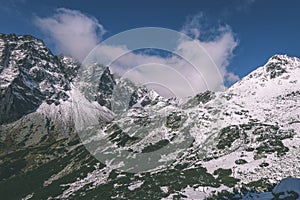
[36, 91]
[55, 114]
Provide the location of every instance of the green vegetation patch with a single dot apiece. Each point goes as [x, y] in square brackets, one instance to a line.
[227, 136]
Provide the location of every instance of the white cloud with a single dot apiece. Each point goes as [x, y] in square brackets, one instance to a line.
[231, 77]
[76, 34]
[72, 32]
[203, 64]
[192, 26]
[219, 44]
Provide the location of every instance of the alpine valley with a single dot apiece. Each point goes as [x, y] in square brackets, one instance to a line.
[244, 142]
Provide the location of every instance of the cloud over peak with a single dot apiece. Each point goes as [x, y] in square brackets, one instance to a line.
[76, 34]
[218, 41]
[72, 32]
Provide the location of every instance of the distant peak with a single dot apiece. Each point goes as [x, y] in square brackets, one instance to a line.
[279, 57]
[280, 64]
[282, 59]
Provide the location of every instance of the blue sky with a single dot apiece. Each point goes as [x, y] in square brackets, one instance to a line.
[261, 28]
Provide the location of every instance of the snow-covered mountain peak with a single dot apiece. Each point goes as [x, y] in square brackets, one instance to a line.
[271, 86]
[281, 64]
[278, 75]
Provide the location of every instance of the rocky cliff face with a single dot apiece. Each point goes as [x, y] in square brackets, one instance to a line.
[30, 74]
[36, 91]
[246, 137]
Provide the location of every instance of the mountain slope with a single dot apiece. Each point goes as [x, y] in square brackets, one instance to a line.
[246, 137]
